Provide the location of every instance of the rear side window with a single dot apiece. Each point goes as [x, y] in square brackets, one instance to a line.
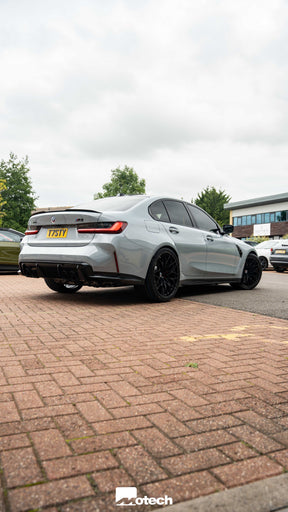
[202, 219]
[158, 211]
[178, 213]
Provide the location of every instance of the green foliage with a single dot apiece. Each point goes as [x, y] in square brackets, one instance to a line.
[285, 236]
[18, 195]
[2, 187]
[257, 239]
[212, 201]
[192, 365]
[124, 181]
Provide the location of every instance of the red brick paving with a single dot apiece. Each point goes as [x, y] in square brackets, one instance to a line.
[96, 393]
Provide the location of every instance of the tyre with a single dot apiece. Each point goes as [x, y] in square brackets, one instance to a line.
[279, 269]
[251, 273]
[264, 262]
[162, 280]
[62, 287]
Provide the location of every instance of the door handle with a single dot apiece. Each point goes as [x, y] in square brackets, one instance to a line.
[174, 231]
[210, 238]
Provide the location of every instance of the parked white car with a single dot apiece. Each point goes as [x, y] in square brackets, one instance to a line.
[264, 251]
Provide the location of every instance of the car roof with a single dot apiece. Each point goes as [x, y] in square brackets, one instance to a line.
[11, 230]
[120, 203]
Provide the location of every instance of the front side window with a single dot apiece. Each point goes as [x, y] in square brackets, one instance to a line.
[177, 213]
[202, 219]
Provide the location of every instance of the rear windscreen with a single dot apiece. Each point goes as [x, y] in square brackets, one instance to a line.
[117, 203]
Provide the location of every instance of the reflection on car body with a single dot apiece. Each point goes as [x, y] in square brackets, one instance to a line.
[9, 249]
[154, 243]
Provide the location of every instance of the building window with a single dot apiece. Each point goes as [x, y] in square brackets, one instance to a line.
[261, 218]
[266, 217]
[281, 216]
[258, 218]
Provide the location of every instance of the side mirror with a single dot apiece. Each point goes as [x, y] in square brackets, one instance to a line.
[227, 228]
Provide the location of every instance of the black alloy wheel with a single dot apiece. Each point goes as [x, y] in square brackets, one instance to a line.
[62, 287]
[264, 262]
[162, 279]
[252, 273]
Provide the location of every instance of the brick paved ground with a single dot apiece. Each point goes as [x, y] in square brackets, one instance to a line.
[95, 393]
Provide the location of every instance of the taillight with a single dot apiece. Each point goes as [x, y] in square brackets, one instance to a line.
[105, 227]
[31, 232]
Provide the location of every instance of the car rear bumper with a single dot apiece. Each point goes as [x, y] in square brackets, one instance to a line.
[278, 261]
[79, 273]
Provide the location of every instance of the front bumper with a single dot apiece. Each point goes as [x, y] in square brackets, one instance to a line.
[79, 273]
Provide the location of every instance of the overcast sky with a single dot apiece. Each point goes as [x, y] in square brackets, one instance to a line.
[189, 93]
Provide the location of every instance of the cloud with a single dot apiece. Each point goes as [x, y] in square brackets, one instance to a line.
[196, 86]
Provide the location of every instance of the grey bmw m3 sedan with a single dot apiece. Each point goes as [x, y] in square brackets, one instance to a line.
[154, 243]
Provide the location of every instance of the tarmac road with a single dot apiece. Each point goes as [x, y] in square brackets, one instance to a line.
[269, 298]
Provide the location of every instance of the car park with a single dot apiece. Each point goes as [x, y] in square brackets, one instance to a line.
[279, 256]
[264, 251]
[154, 243]
[9, 249]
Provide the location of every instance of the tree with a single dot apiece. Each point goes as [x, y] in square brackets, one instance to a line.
[2, 187]
[212, 201]
[18, 196]
[257, 239]
[124, 181]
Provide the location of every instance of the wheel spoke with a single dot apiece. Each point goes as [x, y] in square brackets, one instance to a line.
[166, 274]
[251, 272]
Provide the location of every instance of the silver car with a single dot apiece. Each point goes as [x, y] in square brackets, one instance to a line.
[279, 256]
[154, 243]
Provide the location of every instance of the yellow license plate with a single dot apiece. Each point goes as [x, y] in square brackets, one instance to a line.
[57, 232]
[280, 251]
